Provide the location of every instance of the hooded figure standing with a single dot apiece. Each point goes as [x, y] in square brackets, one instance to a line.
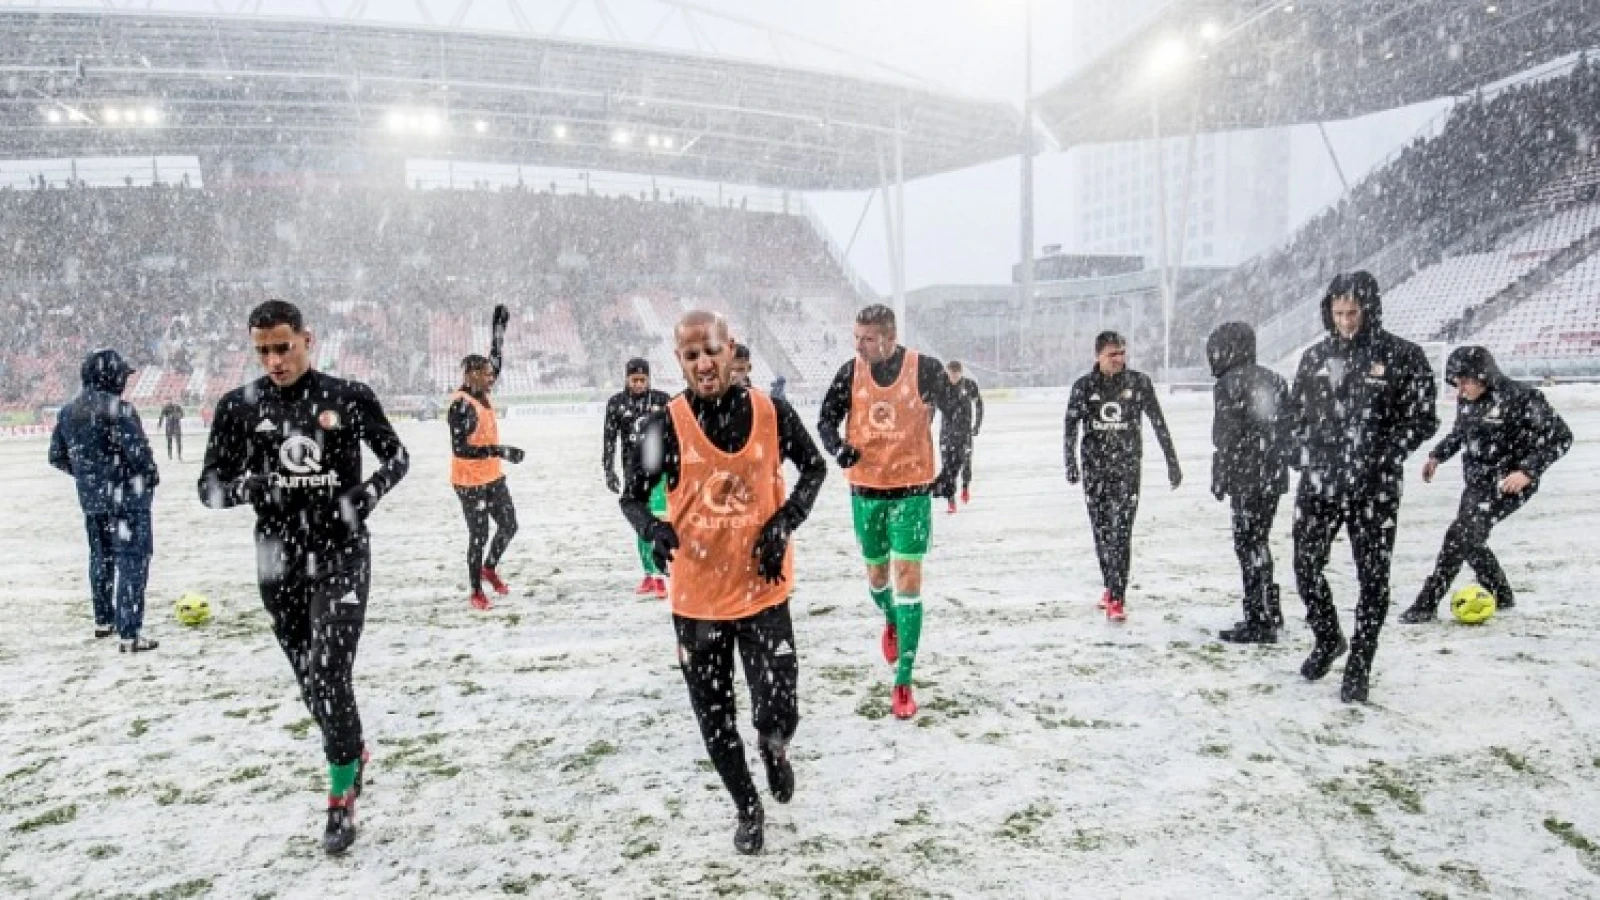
[1250, 431]
[1363, 400]
[99, 441]
[1509, 436]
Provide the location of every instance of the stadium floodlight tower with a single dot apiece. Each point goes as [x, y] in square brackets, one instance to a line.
[1166, 60]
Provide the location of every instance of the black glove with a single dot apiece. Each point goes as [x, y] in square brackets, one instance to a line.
[255, 490]
[613, 483]
[1174, 474]
[847, 456]
[353, 508]
[1073, 475]
[1216, 488]
[663, 543]
[509, 454]
[771, 546]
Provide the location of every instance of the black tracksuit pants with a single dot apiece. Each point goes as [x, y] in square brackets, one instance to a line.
[174, 439]
[1370, 523]
[956, 450]
[481, 505]
[1253, 515]
[765, 642]
[1467, 540]
[1112, 495]
[318, 607]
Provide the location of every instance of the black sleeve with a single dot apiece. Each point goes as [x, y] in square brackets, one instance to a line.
[977, 402]
[1548, 433]
[374, 428]
[835, 407]
[798, 448]
[227, 456]
[463, 422]
[1418, 418]
[1296, 424]
[608, 440]
[59, 456]
[1158, 421]
[935, 386]
[649, 468]
[1075, 414]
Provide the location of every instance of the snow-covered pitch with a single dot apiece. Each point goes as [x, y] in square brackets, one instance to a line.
[547, 748]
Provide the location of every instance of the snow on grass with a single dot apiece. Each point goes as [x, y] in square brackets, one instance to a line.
[547, 748]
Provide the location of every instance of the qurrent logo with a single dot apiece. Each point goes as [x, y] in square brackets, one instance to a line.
[301, 457]
[727, 500]
[881, 416]
[1110, 415]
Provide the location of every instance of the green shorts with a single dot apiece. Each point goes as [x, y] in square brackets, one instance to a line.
[900, 528]
[658, 499]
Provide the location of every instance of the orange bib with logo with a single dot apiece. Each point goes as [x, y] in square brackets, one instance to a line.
[477, 472]
[892, 428]
[718, 509]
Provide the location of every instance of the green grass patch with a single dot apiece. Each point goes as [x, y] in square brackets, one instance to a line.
[301, 728]
[61, 815]
[138, 728]
[247, 773]
[590, 757]
[1513, 761]
[1023, 823]
[1569, 835]
[184, 889]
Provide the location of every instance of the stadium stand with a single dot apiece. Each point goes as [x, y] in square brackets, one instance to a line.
[392, 281]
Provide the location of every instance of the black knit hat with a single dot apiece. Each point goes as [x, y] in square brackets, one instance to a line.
[638, 366]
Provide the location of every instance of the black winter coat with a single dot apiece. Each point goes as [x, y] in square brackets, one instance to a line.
[1251, 426]
[99, 441]
[1510, 427]
[1361, 405]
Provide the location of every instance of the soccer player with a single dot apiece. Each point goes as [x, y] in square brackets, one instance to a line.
[289, 445]
[624, 411]
[171, 422]
[1249, 466]
[888, 394]
[1508, 436]
[475, 455]
[1110, 404]
[725, 542]
[741, 365]
[1363, 399]
[961, 426]
[99, 441]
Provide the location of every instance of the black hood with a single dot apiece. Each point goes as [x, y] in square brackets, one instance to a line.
[1232, 345]
[1471, 362]
[1365, 289]
[105, 370]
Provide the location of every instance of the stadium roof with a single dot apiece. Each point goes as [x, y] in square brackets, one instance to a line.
[1249, 64]
[107, 83]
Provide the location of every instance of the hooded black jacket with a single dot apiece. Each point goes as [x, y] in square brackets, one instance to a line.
[1361, 405]
[1510, 427]
[1251, 425]
[99, 441]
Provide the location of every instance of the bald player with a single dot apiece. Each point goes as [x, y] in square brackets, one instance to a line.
[721, 452]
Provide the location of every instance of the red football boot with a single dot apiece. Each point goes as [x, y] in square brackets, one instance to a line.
[966, 497]
[1115, 611]
[890, 644]
[490, 576]
[1105, 599]
[901, 703]
[647, 587]
[660, 588]
[480, 602]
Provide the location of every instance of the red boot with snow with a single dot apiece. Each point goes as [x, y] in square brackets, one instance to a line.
[493, 578]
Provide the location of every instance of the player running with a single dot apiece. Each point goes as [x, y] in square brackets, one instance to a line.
[624, 411]
[1109, 404]
[888, 394]
[475, 455]
[1509, 436]
[289, 445]
[958, 429]
[726, 541]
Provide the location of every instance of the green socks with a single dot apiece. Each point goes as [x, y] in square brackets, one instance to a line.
[647, 557]
[342, 778]
[908, 626]
[884, 597]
